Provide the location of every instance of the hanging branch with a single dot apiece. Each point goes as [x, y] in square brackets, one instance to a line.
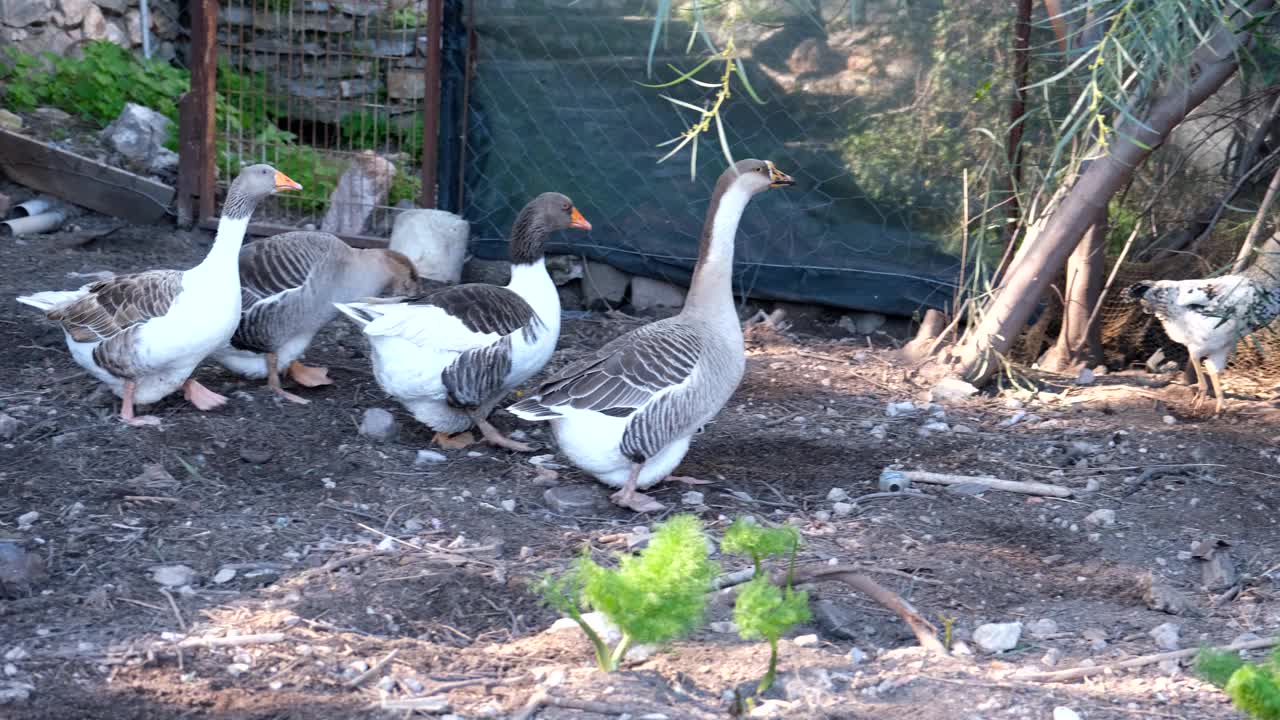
[1242, 259]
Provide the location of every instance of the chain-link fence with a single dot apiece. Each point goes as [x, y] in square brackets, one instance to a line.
[558, 103]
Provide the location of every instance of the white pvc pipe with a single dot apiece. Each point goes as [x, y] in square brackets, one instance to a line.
[146, 28]
[34, 206]
[32, 224]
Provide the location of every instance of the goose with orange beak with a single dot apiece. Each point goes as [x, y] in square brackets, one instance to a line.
[143, 334]
[627, 412]
[451, 356]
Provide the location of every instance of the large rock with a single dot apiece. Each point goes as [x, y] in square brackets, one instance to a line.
[564, 268]
[603, 285]
[93, 24]
[139, 134]
[406, 84]
[73, 11]
[116, 33]
[361, 188]
[647, 294]
[21, 13]
[435, 241]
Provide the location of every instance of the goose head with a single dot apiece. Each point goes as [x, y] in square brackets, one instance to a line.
[757, 175]
[254, 183]
[549, 212]
[404, 281]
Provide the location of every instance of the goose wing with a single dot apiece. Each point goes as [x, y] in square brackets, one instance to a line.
[271, 272]
[114, 310]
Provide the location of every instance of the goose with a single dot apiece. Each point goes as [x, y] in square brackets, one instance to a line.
[288, 285]
[627, 412]
[451, 355]
[144, 333]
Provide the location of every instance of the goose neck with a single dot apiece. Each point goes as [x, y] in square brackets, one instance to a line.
[224, 256]
[712, 285]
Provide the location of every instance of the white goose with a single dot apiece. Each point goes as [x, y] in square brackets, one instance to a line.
[627, 412]
[451, 355]
[288, 285]
[143, 334]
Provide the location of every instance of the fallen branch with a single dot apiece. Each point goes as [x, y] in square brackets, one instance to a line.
[1014, 486]
[1082, 672]
[542, 697]
[423, 704]
[233, 641]
[926, 634]
[367, 675]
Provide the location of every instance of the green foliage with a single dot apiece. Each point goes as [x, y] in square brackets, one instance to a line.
[95, 86]
[373, 130]
[765, 611]
[1254, 688]
[653, 597]
[758, 543]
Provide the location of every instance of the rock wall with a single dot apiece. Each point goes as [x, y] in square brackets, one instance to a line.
[56, 26]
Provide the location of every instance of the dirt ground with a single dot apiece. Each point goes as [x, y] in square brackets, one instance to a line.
[388, 581]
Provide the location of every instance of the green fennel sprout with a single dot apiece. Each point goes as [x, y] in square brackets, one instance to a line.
[745, 538]
[1255, 689]
[764, 610]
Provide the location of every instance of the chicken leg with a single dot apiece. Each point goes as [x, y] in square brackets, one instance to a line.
[627, 497]
[273, 381]
[494, 437]
[126, 409]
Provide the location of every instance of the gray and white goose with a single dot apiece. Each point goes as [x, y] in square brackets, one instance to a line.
[627, 412]
[451, 355]
[144, 333]
[288, 286]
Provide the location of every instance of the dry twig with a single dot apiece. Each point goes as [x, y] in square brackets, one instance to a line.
[369, 674]
[1077, 673]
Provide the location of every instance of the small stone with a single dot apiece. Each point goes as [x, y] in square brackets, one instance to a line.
[805, 640]
[10, 669]
[1163, 598]
[1170, 420]
[935, 426]
[508, 505]
[17, 652]
[951, 390]
[1051, 658]
[1065, 713]
[879, 432]
[386, 683]
[379, 425]
[962, 430]
[224, 575]
[1086, 377]
[1101, 518]
[603, 286]
[255, 456]
[841, 509]
[1167, 636]
[857, 656]
[27, 519]
[429, 457]
[8, 427]
[1184, 555]
[1042, 628]
[900, 408]
[237, 669]
[1013, 419]
[693, 497]
[412, 684]
[570, 499]
[526, 552]
[173, 575]
[997, 637]
[836, 494]
[822, 516]
[725, 628]
[10, 121]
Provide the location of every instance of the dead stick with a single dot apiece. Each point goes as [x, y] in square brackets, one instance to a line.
[182, 625]
[926, 634]
[365, 676]
[1015, 486]
[234, 641]
[1083, 672]
[531, 706]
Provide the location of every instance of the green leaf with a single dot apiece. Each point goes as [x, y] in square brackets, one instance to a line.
[763, 611]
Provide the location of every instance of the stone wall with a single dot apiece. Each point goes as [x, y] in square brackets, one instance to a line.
[324, 60]
[56, 26]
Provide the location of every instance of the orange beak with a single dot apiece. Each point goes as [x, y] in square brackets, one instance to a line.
[577, 221]
[283, 182]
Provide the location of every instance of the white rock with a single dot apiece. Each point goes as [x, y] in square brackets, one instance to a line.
[10, 669]
[138, 133]
[1013, 419]
[896, 409]
[1167, 636]
[429, 457]
[997, 637]
[836, 494]
[1042, 628]
[726, 628]
[1065, 713]
[27, 519]
[879, 432]
[950, 390]
[378, 424]
[1051, 658]
[693, 497]
[173, 575]
[1170, 420]
[237, 669]
[647, 293]
[935, 426]
[605, 629]
[805, 640]
[508, 505]
[857, 656]
[8, 427]
[603, 285]
[224, 575]
[17, 652]
[1101, 517]
[1086, 377]
[435, 242]
[841, 509]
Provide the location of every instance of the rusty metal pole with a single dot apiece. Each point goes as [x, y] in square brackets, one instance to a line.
[204, 68]
[431, 103]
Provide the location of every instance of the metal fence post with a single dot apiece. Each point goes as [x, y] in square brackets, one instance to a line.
[431, 103]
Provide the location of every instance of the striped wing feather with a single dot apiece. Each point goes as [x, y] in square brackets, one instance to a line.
[271, 268]
[116, 305]
[484, 309]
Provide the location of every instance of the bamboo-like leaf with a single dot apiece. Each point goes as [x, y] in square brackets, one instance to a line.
[693, 160]
[746, 82]
[659, 21]
[682, 78]
[684, 141]
[724, 142]
[682, 103]
[1064, 73]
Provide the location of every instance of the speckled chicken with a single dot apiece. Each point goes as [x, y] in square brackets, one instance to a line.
[1211, 315]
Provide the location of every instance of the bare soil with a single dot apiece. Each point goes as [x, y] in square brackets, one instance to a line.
[354, 554]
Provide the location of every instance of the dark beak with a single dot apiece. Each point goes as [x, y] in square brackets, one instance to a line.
[777, 178]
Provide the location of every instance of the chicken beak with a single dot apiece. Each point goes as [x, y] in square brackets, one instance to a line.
[577, 221]
[777, 178]
[284, 182]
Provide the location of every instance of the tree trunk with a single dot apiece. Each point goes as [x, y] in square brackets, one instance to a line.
[1087, 200]
[1078, 340]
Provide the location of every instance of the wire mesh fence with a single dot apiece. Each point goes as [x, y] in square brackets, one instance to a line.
[330, 93]
[558, 103]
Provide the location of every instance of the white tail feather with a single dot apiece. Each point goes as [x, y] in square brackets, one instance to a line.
[51, 299]
[356, 315]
